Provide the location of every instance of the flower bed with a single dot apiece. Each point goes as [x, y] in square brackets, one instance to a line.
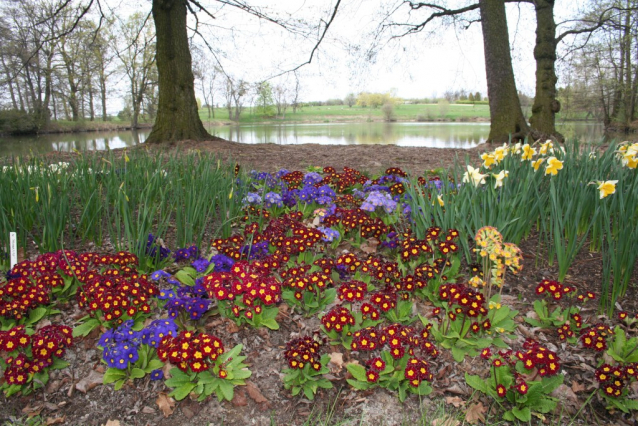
[391, 296]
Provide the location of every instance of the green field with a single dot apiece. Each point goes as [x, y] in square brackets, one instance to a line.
[423, 112]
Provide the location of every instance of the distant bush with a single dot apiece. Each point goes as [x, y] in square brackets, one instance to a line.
[388, 111]
[473, 102]
[17, 122]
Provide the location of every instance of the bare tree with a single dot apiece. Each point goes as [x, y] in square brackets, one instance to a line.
[280, 95]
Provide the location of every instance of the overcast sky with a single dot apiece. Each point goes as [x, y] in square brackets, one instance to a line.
[419, 65]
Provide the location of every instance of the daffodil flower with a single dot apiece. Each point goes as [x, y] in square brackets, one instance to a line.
[606, 188]
[536, 164]
[474, 175]
[516, 148]
[547, 147]
[440, 199]
[528, 152]
[500, 153]
[488, 160]
[553, 166]
[499, 178]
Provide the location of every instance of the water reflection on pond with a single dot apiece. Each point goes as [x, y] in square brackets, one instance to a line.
[436, 135]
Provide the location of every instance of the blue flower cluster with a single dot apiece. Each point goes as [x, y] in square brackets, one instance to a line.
[252, 198]
[329, 234]
[153, 248]
[200, 264]
[273, 199]
[311, 178]
[255, 251]
[193, 300]
[121, 345]
[379, 199]
[186, 253]
[324, 195]
[222, 263]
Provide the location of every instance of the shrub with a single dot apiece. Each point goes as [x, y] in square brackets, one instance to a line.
[17, 122]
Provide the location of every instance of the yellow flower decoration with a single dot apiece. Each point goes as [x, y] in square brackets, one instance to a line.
[553, 166]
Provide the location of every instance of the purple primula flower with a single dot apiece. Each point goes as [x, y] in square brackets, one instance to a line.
[273, 199]
[157, 374]
[311, 178]
[153, 333]
[329, 234]
[307, 194]
[222, 263]
[157, 275]
[379, 199]
[281, 173]
[200, 264]
[252, 198]
[290, 197]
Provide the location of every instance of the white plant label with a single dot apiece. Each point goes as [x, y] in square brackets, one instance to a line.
[13, 248]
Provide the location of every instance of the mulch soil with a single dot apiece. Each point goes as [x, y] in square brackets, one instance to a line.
[75, 396]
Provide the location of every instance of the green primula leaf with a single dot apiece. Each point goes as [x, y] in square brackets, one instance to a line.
[476, 382]
[185, 278]
[178, 378]
[242, 374]
[112, 375]
[137, 373]
[270, 323]
[227, 390]
[523, 414]
[182, 391]
[359, 385]
[83, 330]
[36, 315]
[358, 372]
[458, 353]
[119, 384]
[154, 364]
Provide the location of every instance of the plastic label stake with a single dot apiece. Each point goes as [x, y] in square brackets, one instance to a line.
[13, 248]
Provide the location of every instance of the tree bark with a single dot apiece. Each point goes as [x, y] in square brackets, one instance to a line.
[505, 108]
[177, 115]
[543, 120]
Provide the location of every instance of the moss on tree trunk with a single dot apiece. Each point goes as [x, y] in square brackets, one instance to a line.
[177, 115]
[505, 108]
[546, 105]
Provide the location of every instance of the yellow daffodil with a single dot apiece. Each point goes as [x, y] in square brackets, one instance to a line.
[500, 153]
[592, 155]
[488, 160]
[632, 162]
[606, 188]
[528, 152]
[474, 175]
[536, 164]
[440, 199]
[499, 178]
[553, 166]
[547, 147]
[516, 148]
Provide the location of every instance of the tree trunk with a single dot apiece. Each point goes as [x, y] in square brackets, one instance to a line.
[546, 105]
[505, 108]
[177, 115]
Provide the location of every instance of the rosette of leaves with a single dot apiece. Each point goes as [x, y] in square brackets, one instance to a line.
[310, 292]
[219, 377]
[469, 325]
[548, 311]
[30, 356]
[614, 381]
[306, 367]
[132, 354]
[407, 375]
[508, 386]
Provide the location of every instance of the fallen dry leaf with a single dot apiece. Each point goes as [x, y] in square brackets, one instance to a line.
[445, 421]
[112, 423]
[336, 360]
[255, 393]
[475, 413]
[166, 404]
[89, 382]
[454, 400]
[568, 398]
[239, 399]
[369, 246]
[55, 421]
[577, 387]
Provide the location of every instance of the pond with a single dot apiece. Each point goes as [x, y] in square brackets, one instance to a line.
[434, 135]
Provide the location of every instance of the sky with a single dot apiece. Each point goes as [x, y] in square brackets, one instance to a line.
[420, 65]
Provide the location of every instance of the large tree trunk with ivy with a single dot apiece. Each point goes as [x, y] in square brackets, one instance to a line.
[177, 115]
[505, 108]
[543, 120]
